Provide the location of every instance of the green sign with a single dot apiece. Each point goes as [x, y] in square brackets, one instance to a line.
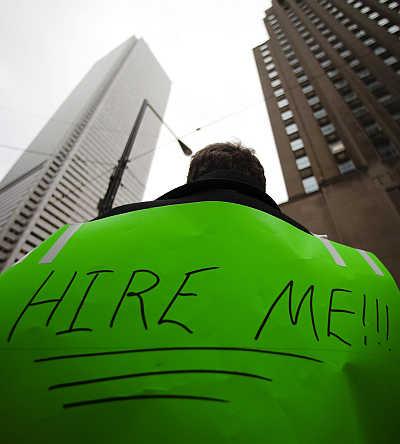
[207, 322]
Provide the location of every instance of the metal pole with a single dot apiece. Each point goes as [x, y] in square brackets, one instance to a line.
[105, 203]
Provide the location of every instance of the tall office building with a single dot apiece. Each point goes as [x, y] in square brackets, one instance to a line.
[330, 74]
[65, 171]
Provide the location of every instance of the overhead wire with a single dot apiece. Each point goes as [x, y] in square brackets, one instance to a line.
[47, 155]
[210, 123]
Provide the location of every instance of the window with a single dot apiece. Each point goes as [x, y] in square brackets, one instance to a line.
[361, 33]
[313, 100]
[354, 62]
[279, 92]
[360, 111]
[383, 21]
[310, 184]
[379, 50]
[346, 167]
[325, 63]
[297, 144]
[332, 73]
[282, 103]
[320, 113]
[385, 99]
[287, 115]
[336, 147]
[340, 84]
[350, 97]
[390, 60]
[272, 74]
[307, 89]
[328, 129]
[303, 162]
[338, 45]
[345, 53]
[393, 29]
[291, 129]
[370, 41]
[364, 73]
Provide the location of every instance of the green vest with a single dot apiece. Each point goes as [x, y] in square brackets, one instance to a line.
[207, 322]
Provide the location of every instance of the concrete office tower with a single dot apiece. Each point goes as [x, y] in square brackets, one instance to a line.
[66, 169]
[330, 74]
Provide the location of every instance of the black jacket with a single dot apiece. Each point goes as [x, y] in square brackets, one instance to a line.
[221, 185]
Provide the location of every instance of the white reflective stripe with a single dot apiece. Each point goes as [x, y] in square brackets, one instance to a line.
[59, 244]
[332, 250]
[370, 262]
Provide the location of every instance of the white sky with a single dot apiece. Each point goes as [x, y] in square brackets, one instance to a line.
[47, 46]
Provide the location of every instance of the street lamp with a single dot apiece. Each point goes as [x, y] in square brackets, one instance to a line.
[105, 203]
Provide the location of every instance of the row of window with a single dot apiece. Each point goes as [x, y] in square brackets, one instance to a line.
[375, 15]
[327, 128]
[363, 36]
[382, 144]
[303, 163]
[372, 84]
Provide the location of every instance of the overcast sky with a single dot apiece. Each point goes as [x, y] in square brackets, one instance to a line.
[205, 47]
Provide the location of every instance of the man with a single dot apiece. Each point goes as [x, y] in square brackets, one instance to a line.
[205, 316]
[224, 172]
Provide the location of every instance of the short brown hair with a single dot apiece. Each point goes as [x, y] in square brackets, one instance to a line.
[226, 156]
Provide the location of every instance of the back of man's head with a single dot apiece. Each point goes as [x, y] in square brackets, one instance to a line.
[227, 156]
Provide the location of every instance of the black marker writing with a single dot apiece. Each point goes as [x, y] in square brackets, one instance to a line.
[138, 294]
[162, 319]
[387, 323]
[295, 318]
[32, 302]
[364, 307]
[331, 310]
[71, 327]
[377, 315]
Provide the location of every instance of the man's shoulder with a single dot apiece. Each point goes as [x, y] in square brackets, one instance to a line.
[136, 206]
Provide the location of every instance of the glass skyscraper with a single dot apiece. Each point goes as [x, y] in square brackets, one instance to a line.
[66, 169]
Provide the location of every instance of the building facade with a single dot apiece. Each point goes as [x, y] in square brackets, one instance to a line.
[330, 74]
[64, 172]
